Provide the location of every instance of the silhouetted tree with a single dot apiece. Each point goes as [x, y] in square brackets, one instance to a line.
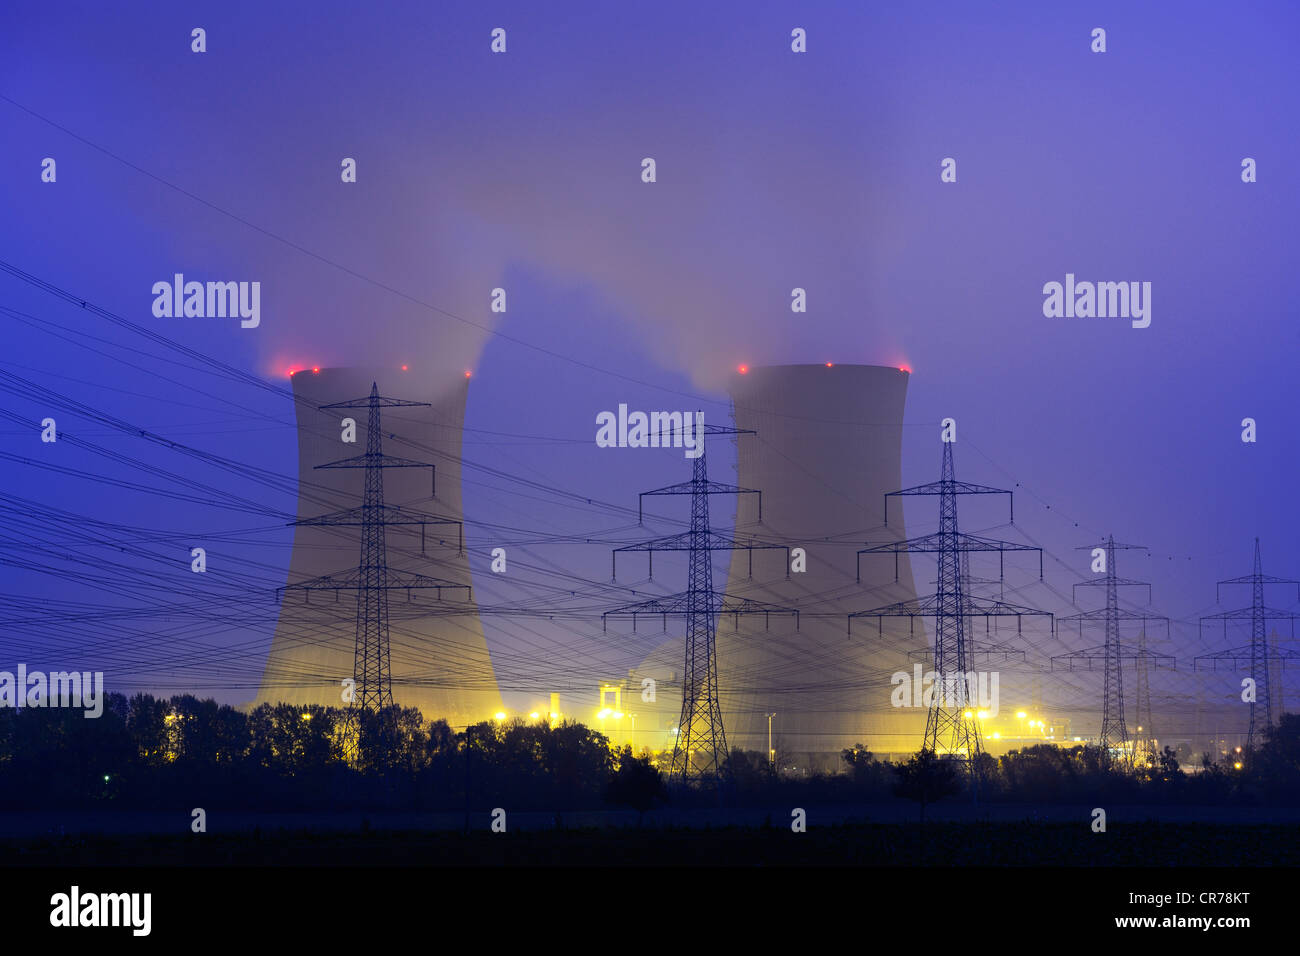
[636, 784]
[230, 735]
[147, 725]
[1276, 764]
[578, 760]
[858, 758]
[749, 771]
[867, 775]
[440, 739]
[1168, 762]
[925, 778]
[194, 728]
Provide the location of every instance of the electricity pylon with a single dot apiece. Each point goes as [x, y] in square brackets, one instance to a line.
[1257, 653]
[952, 725]
[700, 744]
[372, 579]
[1144, 747]
[1114, 731]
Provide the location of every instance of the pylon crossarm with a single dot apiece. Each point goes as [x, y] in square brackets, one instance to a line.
[1113, 546]
[384, 514]
[972, 606]
[706, 487]
[705, 541]
[951, 486]
[375, 461]
[696, 541]
[943, 487]
[1101, 582]
[1101, 614]
[1248, 613]
[374, 398]
[1147, 656]
[353, 580]
[975, 653]
[941, 543]
[1262, 578]
[1121, 652]
[460, 608]
[1243, 656]
[678, 605]
[727, 430]
[716, 601]
[957, 542]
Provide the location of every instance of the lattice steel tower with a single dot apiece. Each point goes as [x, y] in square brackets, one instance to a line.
[952, 724]
[1114, 731]
[1257, 653]
[1145, 746]
[700, 746]
[372, 579]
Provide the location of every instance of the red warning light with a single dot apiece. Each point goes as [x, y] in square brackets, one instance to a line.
[290, 372]
[467, 373]
[404, 368]
[315, 370]
[905, 368]
[742, 369]
[830, 364]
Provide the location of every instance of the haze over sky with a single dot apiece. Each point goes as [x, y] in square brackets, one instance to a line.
[775, 170]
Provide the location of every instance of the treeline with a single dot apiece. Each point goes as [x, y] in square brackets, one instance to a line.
[1046, 774]
[151, 754]
[1041, 774]
[146, 754]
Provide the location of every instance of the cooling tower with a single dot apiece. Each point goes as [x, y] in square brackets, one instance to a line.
[439, 663]
[827, 450]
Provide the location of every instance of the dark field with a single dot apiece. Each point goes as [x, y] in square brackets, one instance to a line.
[942, 843]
